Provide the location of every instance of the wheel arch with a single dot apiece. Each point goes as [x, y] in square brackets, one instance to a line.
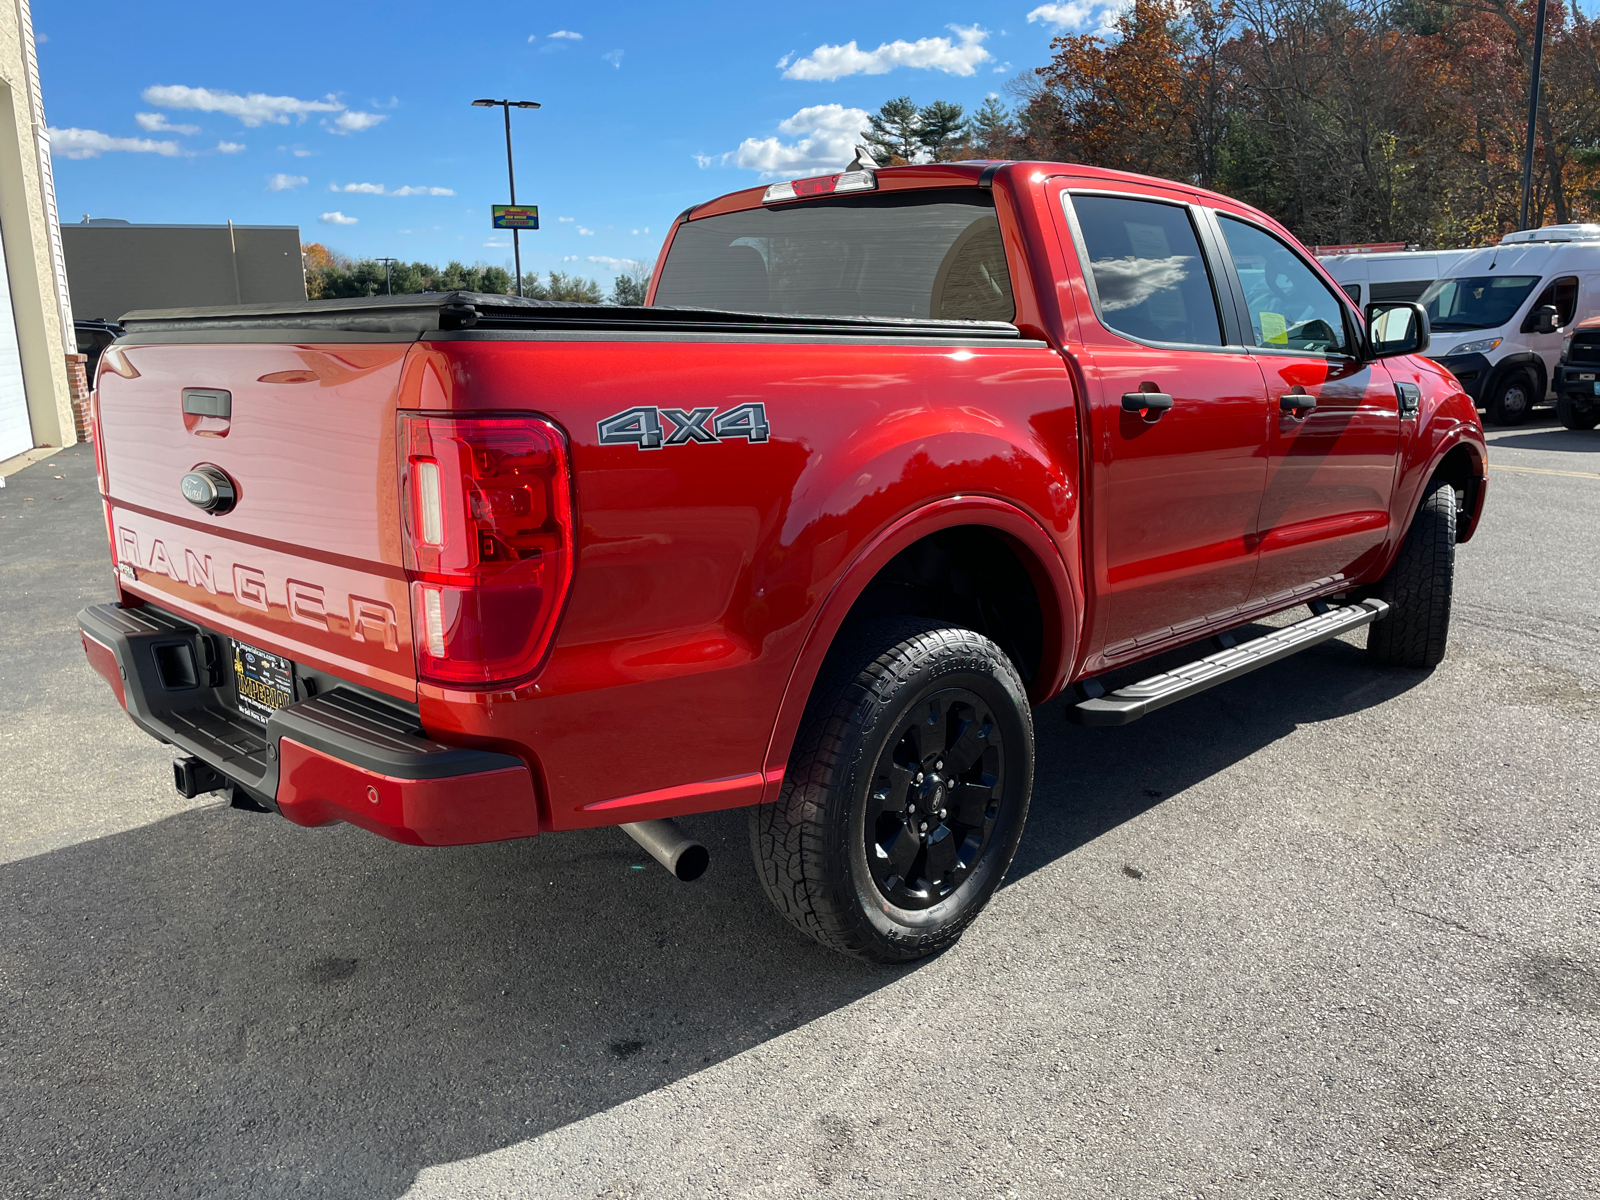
[1465, 470]
[1524, 360]
[989, 518]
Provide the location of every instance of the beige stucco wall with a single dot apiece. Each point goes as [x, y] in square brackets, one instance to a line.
[25, 233]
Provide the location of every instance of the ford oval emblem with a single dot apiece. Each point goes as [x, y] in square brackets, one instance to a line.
[209, 488]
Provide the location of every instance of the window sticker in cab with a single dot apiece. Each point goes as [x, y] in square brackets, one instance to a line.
[642, 427]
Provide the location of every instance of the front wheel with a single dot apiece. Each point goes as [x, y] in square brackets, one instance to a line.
[1419, 586]
[1510, 400]
[1575, 416]
[905, 794]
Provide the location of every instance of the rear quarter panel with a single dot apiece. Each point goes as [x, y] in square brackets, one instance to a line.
[701, 567]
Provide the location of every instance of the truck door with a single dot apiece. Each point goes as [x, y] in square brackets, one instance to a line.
[1562, 293]
[1334, 420]
[1174, 484]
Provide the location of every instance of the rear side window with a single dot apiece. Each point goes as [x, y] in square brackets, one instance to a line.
[933, 253]
[1290, 307]
[1149, 276]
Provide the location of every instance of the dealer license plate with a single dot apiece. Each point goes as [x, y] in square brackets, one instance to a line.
[265, 681]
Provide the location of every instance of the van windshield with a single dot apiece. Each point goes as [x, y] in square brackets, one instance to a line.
[933, 253]
[1476, 301]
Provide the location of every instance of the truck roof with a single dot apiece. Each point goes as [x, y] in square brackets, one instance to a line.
[977, 173]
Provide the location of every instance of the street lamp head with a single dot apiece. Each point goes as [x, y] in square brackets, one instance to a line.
[484, 103]
[524, 104]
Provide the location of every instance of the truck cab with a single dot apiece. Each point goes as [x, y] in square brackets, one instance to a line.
[1500, 319]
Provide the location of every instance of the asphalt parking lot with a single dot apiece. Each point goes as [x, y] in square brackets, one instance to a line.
[1328, 931]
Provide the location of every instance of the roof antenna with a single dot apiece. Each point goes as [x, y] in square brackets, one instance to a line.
[863, 161]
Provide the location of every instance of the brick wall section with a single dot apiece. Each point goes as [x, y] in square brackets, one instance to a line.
[78, 384]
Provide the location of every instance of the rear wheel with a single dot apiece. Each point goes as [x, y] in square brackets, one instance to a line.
[1574, 416]
[1511, 399]
[905, 794]
[1419, 586]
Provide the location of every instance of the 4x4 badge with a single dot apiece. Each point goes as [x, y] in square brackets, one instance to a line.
[641, 427]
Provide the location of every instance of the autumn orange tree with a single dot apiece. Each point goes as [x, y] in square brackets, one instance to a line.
[1350, 120]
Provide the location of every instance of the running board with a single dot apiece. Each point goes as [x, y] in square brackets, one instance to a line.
[1134, 701]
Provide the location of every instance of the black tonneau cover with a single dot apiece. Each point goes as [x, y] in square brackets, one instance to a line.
[431, 312]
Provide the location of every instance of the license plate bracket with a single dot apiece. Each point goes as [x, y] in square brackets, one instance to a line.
[263, 682]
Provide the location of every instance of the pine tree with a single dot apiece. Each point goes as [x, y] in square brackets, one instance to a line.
[941, 130]
[894, 131]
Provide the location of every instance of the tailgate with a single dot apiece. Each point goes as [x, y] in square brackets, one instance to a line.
[307, 564]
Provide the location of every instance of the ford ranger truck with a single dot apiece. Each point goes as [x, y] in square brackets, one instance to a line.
[891, 459]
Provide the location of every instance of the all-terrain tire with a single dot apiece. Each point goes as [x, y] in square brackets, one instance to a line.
[894, 687]
[1418, 587]
[1570, 416]
[1511, 399]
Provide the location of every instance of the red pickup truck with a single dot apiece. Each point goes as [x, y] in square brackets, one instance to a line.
[890, 459]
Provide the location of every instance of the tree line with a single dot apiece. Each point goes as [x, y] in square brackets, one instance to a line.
[331, 275]
[1348, 120]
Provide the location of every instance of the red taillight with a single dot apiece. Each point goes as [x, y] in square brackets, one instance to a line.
[487, 504]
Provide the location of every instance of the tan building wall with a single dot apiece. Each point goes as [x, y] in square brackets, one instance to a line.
[30, 235]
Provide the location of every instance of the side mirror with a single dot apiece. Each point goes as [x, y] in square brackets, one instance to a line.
[1395, 328]
[1546, 319]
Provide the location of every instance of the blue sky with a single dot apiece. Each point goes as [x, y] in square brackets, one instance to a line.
[191, 113]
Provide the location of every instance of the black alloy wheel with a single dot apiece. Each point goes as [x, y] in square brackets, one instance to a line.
[934, 799]
[905, 794]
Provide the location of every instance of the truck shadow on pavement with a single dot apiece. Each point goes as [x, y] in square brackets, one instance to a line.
[226, 1004]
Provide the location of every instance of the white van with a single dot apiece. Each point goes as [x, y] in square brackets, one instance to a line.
[1499, 316]
[1389, 274]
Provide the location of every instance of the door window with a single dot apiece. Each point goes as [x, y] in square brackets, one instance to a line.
[1150, 279]
[1290, 308]
[1563, 293]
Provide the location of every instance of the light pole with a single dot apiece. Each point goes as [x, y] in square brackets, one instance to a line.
[1533, 114]
[388, 288]
[508, 105]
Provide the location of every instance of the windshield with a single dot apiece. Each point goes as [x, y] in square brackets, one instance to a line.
[917, 254]
[1476, 301]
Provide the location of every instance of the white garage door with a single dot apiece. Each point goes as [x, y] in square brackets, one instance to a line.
[16, 435]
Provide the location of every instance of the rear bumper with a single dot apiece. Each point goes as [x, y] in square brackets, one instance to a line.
[339, 756]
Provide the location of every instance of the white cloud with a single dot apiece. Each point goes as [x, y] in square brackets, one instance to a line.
[337, 218]
[1078, 14]
[1002, 68]
[932, 54]
[158, 123]
[91, 143]
[616, 264]
[582, 232]
[826, 138]
[378, 189]
[614, 57]
[567, 33]
[564, 218]
[569, 258]
[285, 183]
[230, 147]
[497, 245]
[356, 122]
[299, 153]
[255, 109]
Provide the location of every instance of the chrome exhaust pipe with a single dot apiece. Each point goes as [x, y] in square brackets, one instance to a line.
[670, 846]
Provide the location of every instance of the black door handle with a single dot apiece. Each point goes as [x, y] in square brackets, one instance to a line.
[1155, 402]
[1297, 403]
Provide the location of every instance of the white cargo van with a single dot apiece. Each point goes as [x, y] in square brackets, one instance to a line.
[1389, 274]
[1499, 316]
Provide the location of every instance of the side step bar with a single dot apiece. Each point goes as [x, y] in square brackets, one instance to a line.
[1134, 701]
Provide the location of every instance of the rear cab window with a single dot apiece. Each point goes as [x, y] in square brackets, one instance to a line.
[935, 253]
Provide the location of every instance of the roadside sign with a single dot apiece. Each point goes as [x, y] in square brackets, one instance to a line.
[515, 216]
